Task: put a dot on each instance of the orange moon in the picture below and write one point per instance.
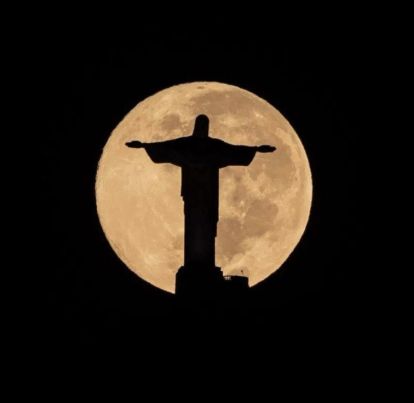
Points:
(264, 207)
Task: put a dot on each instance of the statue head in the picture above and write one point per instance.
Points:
(201, 126)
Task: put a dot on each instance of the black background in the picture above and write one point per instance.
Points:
(86, 79)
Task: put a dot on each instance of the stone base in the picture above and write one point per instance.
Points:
(199, 282)
(207, 287)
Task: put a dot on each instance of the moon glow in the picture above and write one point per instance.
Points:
(264, 207)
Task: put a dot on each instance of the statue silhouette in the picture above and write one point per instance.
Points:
(200, 158)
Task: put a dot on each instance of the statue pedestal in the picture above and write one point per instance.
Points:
(199, 282)
(208, 289)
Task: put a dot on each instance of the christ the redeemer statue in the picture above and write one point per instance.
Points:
(200, 157)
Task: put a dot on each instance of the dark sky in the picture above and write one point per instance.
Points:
(86, 80)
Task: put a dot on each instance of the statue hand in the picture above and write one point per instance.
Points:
(266, 149)
(134, 144)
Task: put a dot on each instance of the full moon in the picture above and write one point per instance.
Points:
(264, 207)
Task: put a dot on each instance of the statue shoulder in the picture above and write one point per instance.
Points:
(217, 141)
(177, 141)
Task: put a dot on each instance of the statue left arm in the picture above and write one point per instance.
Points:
(241, 155)
(265, 149)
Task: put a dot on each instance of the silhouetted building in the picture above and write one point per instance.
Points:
(236, 285)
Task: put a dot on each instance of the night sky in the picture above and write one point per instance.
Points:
(88, 79)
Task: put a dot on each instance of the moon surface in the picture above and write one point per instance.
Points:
(264, 207)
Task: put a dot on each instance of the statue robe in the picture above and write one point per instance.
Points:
(200, 160)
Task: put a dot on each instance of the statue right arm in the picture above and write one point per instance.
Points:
(135, 144)
(161, 151)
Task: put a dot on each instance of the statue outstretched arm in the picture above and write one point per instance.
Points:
(135, 144)
(241, 154)
(265, 149)
(160, 151)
